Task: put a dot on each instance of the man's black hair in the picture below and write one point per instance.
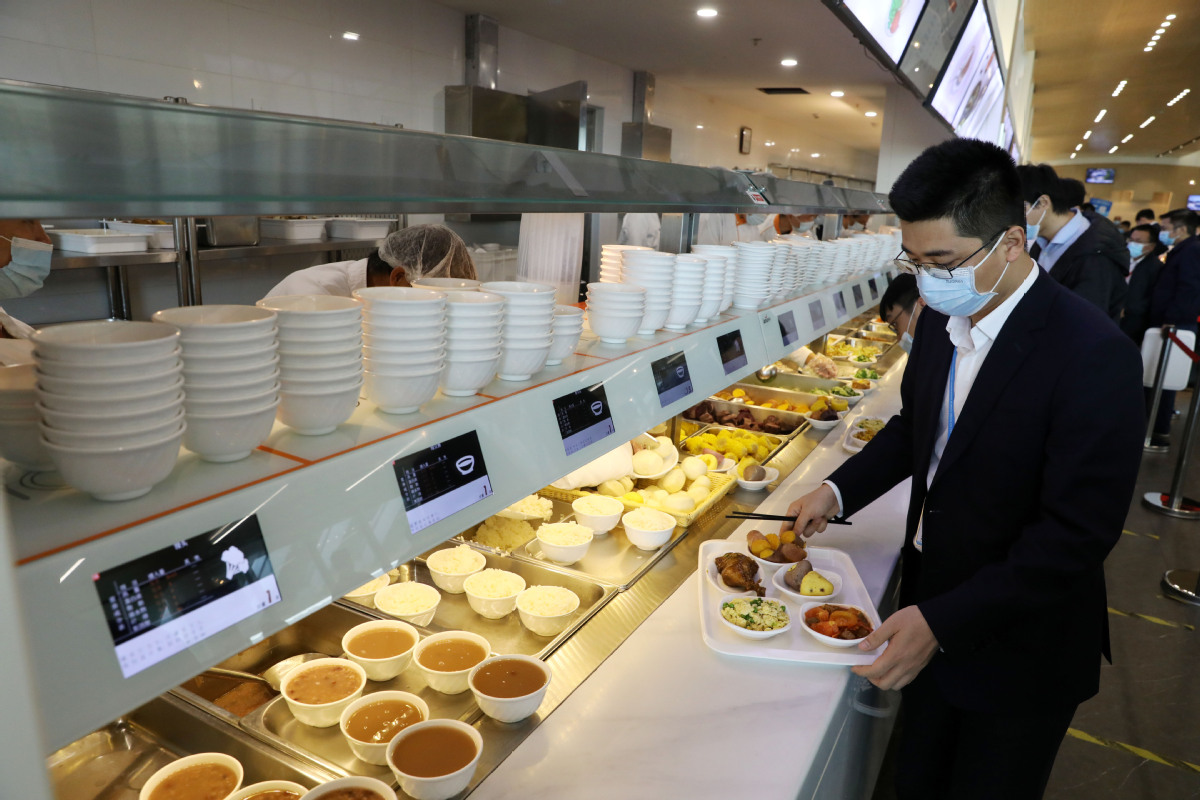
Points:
(969, 182)
(1183, 217)
(377, 267)
(1041, 179)
(1146, 213)
(902, 292)
(1074, 193)
(1149, 230)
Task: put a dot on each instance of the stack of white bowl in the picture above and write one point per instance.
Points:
(615, 310)
(320, 360)
(110, 397)
(730, 254)
(566, 330)
(230, 377)
(713, 292)
(404, 346)
(753, 274)
(687, 291)
(612, 260)
(528, 320)
(654, 272)
(474, 326)
(447, 284)
(20, 440)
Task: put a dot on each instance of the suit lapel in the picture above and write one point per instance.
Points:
(930, 392)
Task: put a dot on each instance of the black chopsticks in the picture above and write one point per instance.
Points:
(779, 518)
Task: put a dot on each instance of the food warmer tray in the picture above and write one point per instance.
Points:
(761, 414)
(778, 442)
(794, 384)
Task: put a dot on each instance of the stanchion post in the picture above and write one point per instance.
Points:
(1160, 376)
(1189, 430)
(1174, 503)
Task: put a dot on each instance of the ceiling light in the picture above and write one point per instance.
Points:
(1127, 138)
(1191, 183)
(699, 127)
(916, 69)
(816, 155)
(916, 45)
(871, 114)
(1078, 147)
(1161, 31)
(1147, 122)
(196, 82)
(706, 12)
(788, 62)
(1087, 136)
(795, 150)
(1147, 49)
(1120, 88)
(1074, 154)
(1170, 16)
(837, 93)
(1166, 24)
(1112, 149)
(1155, 38)
(350, 36)
(1100, 116)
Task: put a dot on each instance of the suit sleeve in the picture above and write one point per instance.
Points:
(1093, 281)
(1091, 456)
(1185, 300)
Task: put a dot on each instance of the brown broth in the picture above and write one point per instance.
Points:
(509, 677)
(433, 752)
(452, 655)
(274, 794)
(200, 782)
(326, 683)
(378, 723)
(353, 793)
(381, 643)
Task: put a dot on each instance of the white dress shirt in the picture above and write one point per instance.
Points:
(338, 278)
(1066, 236)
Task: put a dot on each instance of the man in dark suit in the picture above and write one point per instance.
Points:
(1023, 464)
(1175, 299)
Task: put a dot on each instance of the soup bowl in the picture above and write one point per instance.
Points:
(327, 714)
(376, 752)
(509, 709)
(435, 787)
(449, 682)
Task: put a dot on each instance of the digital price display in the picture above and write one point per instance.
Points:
(441, 480)
(671, 378)
(817, 312)
(874, 287)
(858, 295)
(733, 352)
(839, 304)
(584, 418)
(164, 602)
(787, 327)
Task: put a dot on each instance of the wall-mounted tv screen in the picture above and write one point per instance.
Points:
(1100, 175)
(889, 22)
(932, 40)
(970, 94)
(1193, 203)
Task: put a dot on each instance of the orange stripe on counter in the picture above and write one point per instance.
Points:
(282, 454)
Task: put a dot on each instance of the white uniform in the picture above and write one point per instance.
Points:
(758, 231)
(716, 229)
(643, 230)
(338, 278)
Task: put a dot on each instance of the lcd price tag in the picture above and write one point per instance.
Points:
(584, 418)
(733, 352)
(874, 287)
(839, 304)
(442, 480)
(671, 378)
(858, 295)
(757, 197)
(164, 602)
(817, 312)
(787, 327)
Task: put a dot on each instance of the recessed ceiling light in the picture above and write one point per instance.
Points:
(871, 114)
(1074, 154)
(916, 69)
(795, 150)
(1100, 116)
(706, 12)
(1147, 122)
(916, 45)
(1078, 147)
(1161, 31)
(1087, 136)
(1191, 183)
(1120, 88)
(699, 127)
(816, 155)
(1113, 149)
(1170, 16)
(196, 82)
(837, 93)
(1147, 49)
(1127, 138)
(1151, 43)
(788, 62)
(1166, 24)
(350, 36)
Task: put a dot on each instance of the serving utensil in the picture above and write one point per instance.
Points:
(273, 677)
(779, 518)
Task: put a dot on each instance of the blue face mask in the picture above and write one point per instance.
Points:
(1166, 238)
(955, 294)
(906, 340)
(29, 267)
(1137, 249)
(1032, 228)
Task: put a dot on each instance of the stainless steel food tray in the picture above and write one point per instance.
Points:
(780, 443)
(793, 384)
(761, 414)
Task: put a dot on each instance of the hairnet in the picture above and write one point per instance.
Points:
(428, 251)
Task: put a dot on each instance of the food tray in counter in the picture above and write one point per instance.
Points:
(773, 394)
(97, 240)
(722, 483)
(161, 234)
(282, 228)
(793, 384)
(795, 644)
(760, 413)
(776, 442)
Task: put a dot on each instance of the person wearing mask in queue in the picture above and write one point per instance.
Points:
(1147, 217)
(1016, 497)
(853, 223)
(1145, 267)
(1080, 250)
(404, 257)
(900, 307)
(1126, 227)
(1175, 299)
(641, 229)
(25, 255)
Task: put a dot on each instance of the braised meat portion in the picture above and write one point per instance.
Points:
(739, 571)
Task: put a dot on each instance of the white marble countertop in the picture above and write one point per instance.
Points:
(665, 716)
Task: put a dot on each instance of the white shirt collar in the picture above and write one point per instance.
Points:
(970, 337)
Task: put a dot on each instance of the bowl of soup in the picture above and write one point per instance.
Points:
(510, 688)
(318, 692)
(435, 760)
(354, 788)
(372, 721)
(445, 659)
(204, 776)
(270, 790)
(383, 648)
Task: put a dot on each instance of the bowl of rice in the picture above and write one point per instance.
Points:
(365, 595)
(492, 593)
(547, 610)
(564, 542)
(755, 617)
(413, 602)
(451, 567)
(598, 512)
(503, 534)
(648, 529)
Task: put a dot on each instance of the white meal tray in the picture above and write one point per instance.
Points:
(292, 228)
(97, 240)
(357, 228)
(161, 236)
(849, 443)
(796, 644)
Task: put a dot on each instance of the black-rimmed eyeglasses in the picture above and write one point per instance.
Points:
(914, 267)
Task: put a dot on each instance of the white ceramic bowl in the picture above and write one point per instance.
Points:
(563, 345)
(236, 391)
(519, 363)
(749, 634)
(267, 786)
(196, 760)
(228, 405)
(110, 423)
(106, 342)
(321, 715)
(92, 440)
(97, 372)
(822, 424)
(365, 595)
(357, 782)
(829, 641)
(465, 376)
(217, 322)
(423, 361)
(229, 437)
(475, 344)
(511, 709)
(613, 329)
(244, 345)
(568, 312)
(385, 601)
(119, 473)
(394, 299)
(448, 682)
(452, 582)
(264, 358)
(215, 376)
(473, 302)
(382, 669)
(545, 624)
(442, 787)
(564, 554)
(781, 584)
(401, 321)
(398, 393)
(21, 443)
(490, 607)
(312, 310)
(757, 486)
(448, 284)
(299, 362)
(599, 523)
(322, 383)
(351, 329)
(376, 752)
(130, 404)
(142, 385)
(317, 413)
(327, 351)
(461, 327)
(520, 291)
(649, 538)
(653, 320)
(302, 372)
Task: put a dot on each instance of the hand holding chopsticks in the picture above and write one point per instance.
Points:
(780, 517)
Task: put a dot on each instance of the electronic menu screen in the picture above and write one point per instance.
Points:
(873, 285)
(817, 312)
(839, 304)
(164, 602)
(856, 290)
(787, 327)
(733, 351)
(932, 40)
(441, 480)
(970, 94)
(671, 378)
(890, 24)
(584, 418)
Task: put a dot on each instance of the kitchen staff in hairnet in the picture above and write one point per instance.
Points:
(403, 258)
(25, 253)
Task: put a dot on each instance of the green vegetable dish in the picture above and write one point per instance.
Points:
(837, 391)
(867, 375)
(755, 613)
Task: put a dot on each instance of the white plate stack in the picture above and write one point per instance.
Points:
(110, 397)
(320, 360)
(404, 346)
(753, 274)
(566, 329)
(654, 272)
(611, 260)
(474, 325)
(230, 377)
(713, 292)
(528, 319)
(686, 292)
(615, 310)
(780, 281)
(730, 254)
(20, 440)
